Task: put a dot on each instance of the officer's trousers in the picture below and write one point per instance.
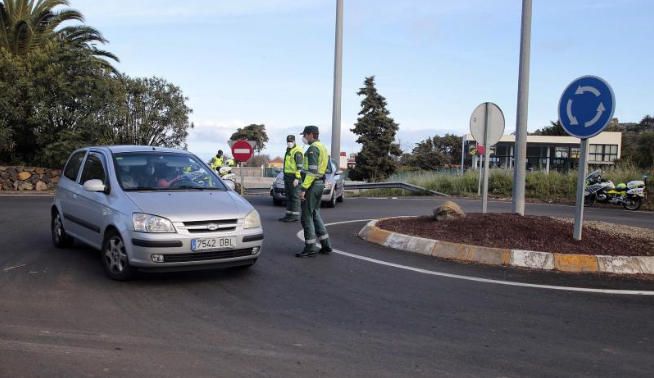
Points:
(292, 194)
(312, 224)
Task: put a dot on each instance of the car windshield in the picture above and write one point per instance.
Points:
(148, 171)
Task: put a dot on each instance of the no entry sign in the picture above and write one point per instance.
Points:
(242, 151)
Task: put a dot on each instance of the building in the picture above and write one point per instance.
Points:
(342, 161)
(277, 163)
(557, 152)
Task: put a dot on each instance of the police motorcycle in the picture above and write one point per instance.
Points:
(229, 177)
(630, 195)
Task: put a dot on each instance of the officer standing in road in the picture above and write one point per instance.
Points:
(315, 163)
(217, 161)
(293, 162)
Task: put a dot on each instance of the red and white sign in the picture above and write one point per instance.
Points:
(242, 151)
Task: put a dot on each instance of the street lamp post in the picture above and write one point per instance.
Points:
(520, 169)
(338, 83)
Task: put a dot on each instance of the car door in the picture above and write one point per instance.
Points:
(68, 192)
(92, 207)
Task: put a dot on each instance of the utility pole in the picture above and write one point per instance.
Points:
(520, 169)
(338, 83)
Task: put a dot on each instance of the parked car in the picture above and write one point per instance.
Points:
(334, 187)
(150, 208)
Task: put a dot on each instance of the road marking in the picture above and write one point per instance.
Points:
(477, 279)
(14, 267)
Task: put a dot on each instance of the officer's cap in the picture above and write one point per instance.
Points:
(310, 130)
(290, 138)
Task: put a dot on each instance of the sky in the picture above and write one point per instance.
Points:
(271, 61)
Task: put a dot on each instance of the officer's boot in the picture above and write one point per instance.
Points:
(326, 247)
(310, 250)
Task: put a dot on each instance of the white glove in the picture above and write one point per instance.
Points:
(296, 182)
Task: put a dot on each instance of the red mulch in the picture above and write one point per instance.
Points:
(512, 231)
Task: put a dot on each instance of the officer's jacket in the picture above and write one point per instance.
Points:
(293, 161)
(315, 162)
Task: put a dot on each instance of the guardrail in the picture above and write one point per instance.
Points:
(392, 185)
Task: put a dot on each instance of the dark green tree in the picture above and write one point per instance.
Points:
(376, 132)
(554, 129)
(253, 132)
(436, 152)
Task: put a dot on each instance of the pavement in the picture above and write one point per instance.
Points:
(367, 311)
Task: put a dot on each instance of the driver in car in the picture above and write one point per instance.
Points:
(166, 176)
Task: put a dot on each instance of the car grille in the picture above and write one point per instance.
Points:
(202, 256)
(223, 225)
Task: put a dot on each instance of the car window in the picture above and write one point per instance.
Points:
(149, 171)
(72, 167)
(329, 168)
(93, 169)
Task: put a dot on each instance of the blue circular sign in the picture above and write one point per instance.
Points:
(586, 107)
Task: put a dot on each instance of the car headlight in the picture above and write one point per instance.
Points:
(252, 220)
(152, 224)
(328, 186)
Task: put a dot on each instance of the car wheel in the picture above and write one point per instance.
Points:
(59, 237)
(341, 199)
(114, 258)
(332, 202)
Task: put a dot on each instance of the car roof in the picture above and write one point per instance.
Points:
(128, 148)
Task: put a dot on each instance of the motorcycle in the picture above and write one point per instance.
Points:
(229, 178)
(630, 195)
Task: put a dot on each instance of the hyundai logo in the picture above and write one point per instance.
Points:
(212, 227)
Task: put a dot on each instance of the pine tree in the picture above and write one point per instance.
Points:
(376, 130)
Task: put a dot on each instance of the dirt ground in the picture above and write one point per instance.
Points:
(531, 233)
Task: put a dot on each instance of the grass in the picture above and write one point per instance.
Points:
(552, 187)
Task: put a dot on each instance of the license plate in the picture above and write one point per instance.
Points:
(211, 243)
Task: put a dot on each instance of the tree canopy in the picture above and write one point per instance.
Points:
(376, 132)
(252, 132)
(58, 93)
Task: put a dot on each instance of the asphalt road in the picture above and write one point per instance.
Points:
(328, 316)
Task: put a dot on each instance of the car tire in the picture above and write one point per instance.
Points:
(332, 202)
(341, 199)
(60, 238)
(114, 258)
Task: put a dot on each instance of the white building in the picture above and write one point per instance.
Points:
(557, 152)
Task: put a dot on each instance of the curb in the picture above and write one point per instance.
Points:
(622, 265)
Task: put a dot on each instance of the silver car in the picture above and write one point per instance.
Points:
(150, 208)
(334, 187)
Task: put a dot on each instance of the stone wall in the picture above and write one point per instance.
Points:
(28, 179)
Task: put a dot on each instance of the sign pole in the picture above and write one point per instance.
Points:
(484, 197)
(240, 164)
(463, 154)
(581, 188)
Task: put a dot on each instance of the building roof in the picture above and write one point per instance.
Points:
(607, 137)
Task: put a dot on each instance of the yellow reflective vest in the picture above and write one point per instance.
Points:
(315, 163)
(293, 161)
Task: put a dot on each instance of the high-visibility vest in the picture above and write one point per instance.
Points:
(315, 171)
(290, 164)
(231, 163)
(323, 160)
(217, 162)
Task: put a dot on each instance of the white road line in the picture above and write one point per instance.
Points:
(13, 267)
(477, 279)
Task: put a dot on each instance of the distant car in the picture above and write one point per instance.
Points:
(150, 208)
(334, 187)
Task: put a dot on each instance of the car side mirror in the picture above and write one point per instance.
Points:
(94, 186)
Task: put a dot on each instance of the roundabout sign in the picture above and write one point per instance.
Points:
(586, 107)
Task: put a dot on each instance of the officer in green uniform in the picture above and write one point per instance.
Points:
(313, 183)
(217, 161)
(293, 162)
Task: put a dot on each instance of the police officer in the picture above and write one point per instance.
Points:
(293, 162)
(217, 161)
(315, 164)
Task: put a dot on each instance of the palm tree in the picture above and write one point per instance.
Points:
(26, 25)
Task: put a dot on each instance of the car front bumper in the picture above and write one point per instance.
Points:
(279, 194)
(174, 252)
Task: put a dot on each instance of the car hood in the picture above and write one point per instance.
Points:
(192, 206)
